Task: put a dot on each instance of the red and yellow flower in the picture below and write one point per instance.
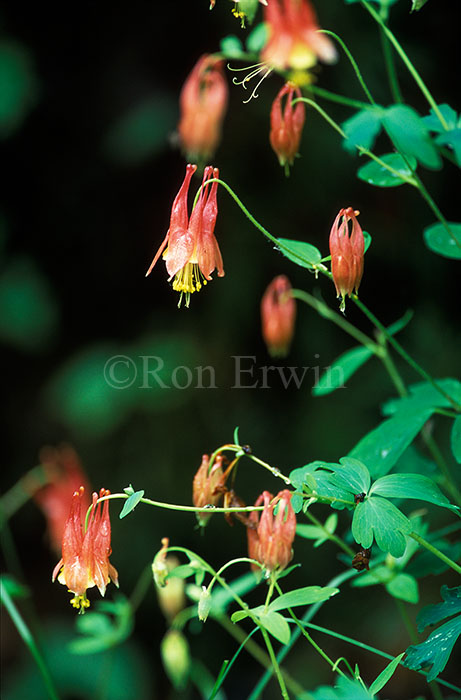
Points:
(85, 555)
(190, 249)
(294, 38)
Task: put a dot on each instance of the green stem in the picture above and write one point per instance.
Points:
(275, 665)
(373, 650)
(394, 374)
(390, 67)
(273, 470)
(390, 36)
(29, 642)
(311, 641)
(433, 448)
(257, 653)
(142, 586)
(331, 536)
(406, 621)
(396, 345)
(425, 194)
(339, 99)
(325, 311)
(231, 563)
(424, 543)
(352, 61)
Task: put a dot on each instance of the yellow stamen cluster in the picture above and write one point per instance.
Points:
(189, 279)
(80, 602)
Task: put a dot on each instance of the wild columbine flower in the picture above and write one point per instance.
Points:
(203, 103)
(287, 125)
(64, 474)
(270, 540)
(207, 486)
(85, 556)
(347, 250)
(294, 40)
(278, 315)
(192, 253)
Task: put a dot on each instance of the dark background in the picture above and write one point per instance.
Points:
(91, 169)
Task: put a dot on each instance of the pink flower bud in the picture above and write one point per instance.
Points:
(347, 250)
(278, 315)
(271, 542)
(287, 125)
(203, 102)
(206, 489)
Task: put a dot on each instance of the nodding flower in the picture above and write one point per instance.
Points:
(85, 555)
(294, 38)
(278, 315)
(287, 125)
(190, 249)
(206, 487)
(347, 250)
(203, 103)
(270, 538)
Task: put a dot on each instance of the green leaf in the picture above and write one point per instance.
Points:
(410, 135)
(13, 587)
(424, 395)
(381, 448)
(142, 131)
(276, 625)
(341, 370)
(309, 532)
(452, 139)
(303, 596)
(101, 632)
(131, 503)
(400, 324)
(378, 575)
(435, 650)
(300, 252)
(404, 587)
(316, 479)
(257, 38)
(352, 475)
(362, 129)
(433, 123)
(19, 86)
(346, 688)
(456, 439)
(378, 518)
(416, 486)
(426, 563)
(249, 7)
(432, 614)
(28, 311)
(437, 239)
(417, 4)
(385, 675)
(231, 47)
(367, 239)
(376, 174)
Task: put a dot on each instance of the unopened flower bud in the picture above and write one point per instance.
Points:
(204, 604)
(203, 103)
(347, 250)
(271, 542)
(176, 658)
(160, 569)
(287, 125)
(171, 596)
(206, 489)
(278, 315)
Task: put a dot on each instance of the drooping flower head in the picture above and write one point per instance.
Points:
(192, 252)
(287, 125)
(85, 555)
(203, 103)
(347, 250)
(278, 315)
(206, 486)
(64, 474)
(294, 41)
(270, 541)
